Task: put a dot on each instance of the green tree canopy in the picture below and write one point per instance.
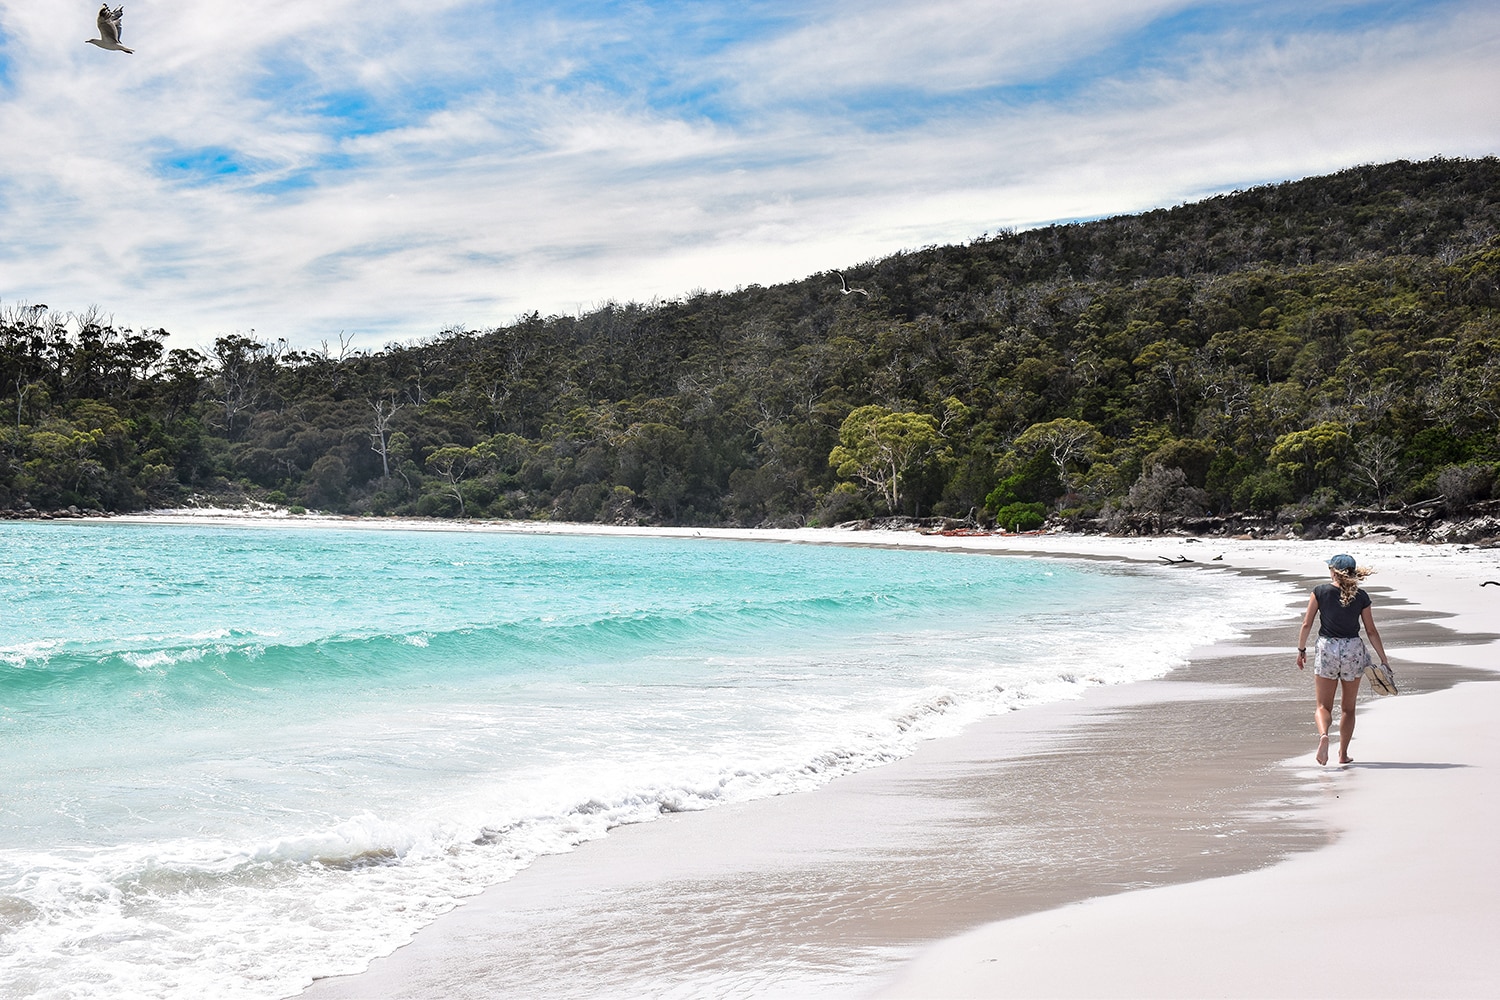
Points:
(1313, 457)
(879, 447)
(1065, 441)
(1286, 347)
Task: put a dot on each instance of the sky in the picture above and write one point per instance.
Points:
(318, 170)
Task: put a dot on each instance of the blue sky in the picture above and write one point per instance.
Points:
(385, 171)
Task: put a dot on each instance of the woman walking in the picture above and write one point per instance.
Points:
(1341, 658)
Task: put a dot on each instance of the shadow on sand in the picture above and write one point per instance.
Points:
(1399, 766)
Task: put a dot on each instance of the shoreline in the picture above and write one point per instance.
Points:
(1294, 819)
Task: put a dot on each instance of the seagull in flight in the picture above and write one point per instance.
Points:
(844, 286)
(109, 30)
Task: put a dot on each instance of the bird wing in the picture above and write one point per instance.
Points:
(109, 25)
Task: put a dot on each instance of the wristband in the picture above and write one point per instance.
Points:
(1302, 650)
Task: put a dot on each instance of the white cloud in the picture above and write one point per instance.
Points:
(484, 192)
(940, 45)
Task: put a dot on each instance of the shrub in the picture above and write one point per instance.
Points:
(1030, 480)
(1021, 516)
(1263, 491)
(1165, 490)
(1462, 485)
(844, 502)
(1190, 455)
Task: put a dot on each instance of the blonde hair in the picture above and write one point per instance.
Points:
(1349, 583)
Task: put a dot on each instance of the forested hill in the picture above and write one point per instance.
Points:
(1286, 350)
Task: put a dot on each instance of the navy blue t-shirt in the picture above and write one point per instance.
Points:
(1334, 620)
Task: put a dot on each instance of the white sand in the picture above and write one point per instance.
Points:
(1403, 901)
(1403, 905)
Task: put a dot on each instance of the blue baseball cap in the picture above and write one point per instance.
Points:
(1342, 563)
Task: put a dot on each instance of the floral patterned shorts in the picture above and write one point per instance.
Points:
(1341, 659)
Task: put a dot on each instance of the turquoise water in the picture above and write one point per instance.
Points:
(241, 758)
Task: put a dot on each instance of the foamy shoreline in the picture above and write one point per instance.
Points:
(1345, 920)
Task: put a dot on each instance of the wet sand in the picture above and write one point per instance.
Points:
(1401, 904)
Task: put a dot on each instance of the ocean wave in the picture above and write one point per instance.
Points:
(484, 843)
(181, 896)
(236, 657)
(159, 659)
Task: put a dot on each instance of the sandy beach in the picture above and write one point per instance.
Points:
(1165, 838)
(1394, 905)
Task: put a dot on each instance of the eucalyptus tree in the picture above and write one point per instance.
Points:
(1065, 441)
(238, 364)
(454, 463)
(384, 409)
(880, 447)
(1377, 462)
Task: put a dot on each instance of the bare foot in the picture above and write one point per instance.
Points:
(1346, 760)
(1323, 749)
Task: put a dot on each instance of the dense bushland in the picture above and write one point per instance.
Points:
(1289, 348)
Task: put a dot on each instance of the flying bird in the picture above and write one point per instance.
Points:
(1490, 583)
(109, 30)
(844, 286)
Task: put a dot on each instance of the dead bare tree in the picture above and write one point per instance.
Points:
(380, 436)
(1378, 462)
(237, 380)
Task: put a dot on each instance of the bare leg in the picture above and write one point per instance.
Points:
(1325, 687)
(1347, 700)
